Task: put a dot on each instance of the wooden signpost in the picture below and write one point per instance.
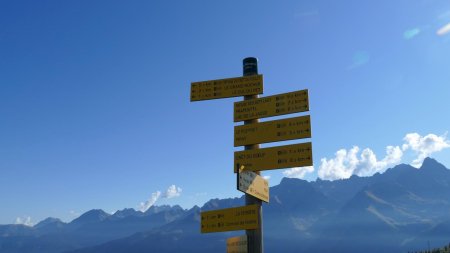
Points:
(237, 244)
(295, 155)
(271, 131)
(252, 159)
(275, 105)
(229, 219)
(225, 88)
(251, 183)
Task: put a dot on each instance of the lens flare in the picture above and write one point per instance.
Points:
(411, 33)
(444, 30)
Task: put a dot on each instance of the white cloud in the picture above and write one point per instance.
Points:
(342, 166)
(298, 172)
(74, 214)
(353, 162)
(424, 146)
(267, 177)
(24, 221)
(144, 206)
(443, 30)
(348, 163)
(172, 192)
(369, 165)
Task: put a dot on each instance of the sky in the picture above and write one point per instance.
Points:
(95, 110)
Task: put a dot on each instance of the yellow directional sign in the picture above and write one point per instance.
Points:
(237, 218)
(275, 130)
(251, 183)
(224, 88)
(288, 156)
(263, 107)
(237, 244)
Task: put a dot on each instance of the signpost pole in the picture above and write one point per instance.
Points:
(255, 242)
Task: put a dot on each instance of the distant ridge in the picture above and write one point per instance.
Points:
(398, 211)
(95, 215)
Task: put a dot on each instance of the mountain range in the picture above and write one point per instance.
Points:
(401, 210)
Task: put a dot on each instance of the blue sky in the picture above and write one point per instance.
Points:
(94, 95)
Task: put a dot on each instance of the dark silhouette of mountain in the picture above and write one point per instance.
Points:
(15, 230)
(163, 208)
(183, 235)
(49, 222)
(49, 226)
(398, 211)
(119, 214)
(395, 208)
(92, 216)
(92, 227)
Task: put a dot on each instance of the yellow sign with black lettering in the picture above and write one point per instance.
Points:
(271, 131)
(229, 219)
(288, 156)
(238, 244)
(251, 183)
(224, 88)
(275, 105)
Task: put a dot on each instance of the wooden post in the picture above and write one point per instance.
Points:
(254, 237)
